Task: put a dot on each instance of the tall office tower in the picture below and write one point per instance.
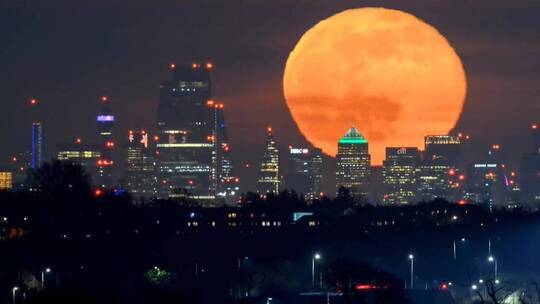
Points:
(227, 184)
(433, 180)
(37, 145)
(530, 170)
(487, 184)
(446, 147)
(88, 156)
(105, 123)
(186, 146)
(353, 164)
(140, 180)
(400, 175)
(269, 179)
(441, 156)
(305, 172)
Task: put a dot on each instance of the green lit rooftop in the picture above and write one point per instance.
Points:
(353, 137)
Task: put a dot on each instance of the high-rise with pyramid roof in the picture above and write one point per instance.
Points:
(353, 164)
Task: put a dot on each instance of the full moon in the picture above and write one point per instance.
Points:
(392, 75)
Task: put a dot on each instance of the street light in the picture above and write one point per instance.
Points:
(14, 293)
(46, 270)
(493, 260)
(315, 257)
(411, 258)
(474, 287)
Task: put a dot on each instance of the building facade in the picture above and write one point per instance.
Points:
(192, 151)
(140, 180)
(400, 175)
(305, 172)
(353, 164)
(269, 173)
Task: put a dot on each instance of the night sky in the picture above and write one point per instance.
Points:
(69, 53)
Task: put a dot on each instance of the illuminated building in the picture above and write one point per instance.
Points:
(486, 184)
(37, 145)
(439, 168)
(442, 147)
(269, 179)
(88, 156)
(433, 180)
(187, 142)
(227, 184)
(400, 175)
(105, 123)
(305, 172)
(140, 180)
(6, 180)
(353, 163)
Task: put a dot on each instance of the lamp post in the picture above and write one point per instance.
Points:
(411, 258)
(315, 257)
(43, 272)
(493, 260)
(14, 293)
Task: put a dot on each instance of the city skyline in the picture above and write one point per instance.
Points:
(270, 152)
(233, 90)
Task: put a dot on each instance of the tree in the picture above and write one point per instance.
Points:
(59, 179)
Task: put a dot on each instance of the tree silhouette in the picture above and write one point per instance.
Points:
(60, 178)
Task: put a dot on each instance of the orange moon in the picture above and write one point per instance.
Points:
(389, 73)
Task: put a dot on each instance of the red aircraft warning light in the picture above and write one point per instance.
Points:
(173, 66)
(209, 65)
(195, 65)
(104, 98)
(534, 126)
(98, 192)
(78, 140)
(33, 102)
(110, 144)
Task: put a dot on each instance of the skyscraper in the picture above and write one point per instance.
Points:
(445, 147)
(305, 171)
(227, 184)
(105, 123)
(269, 174)
(440, 158)
(353, 163)
(37, 145)
(186, 146)
(400, 175)
(140, 180)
